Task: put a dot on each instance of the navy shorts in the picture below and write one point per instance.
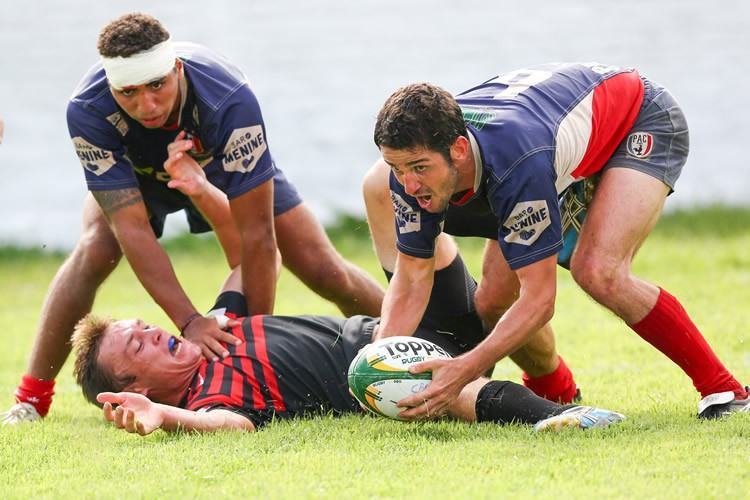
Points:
(657, 145)
(161, 201)
(659, 141)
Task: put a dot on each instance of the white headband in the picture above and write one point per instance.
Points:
(140, 68)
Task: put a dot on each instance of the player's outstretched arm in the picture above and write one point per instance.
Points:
(136, 413)
(127, 216)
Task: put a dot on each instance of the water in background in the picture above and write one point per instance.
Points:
(322, 69)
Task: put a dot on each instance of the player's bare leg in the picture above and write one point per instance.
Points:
(70, 297)
(624, 210)
(308, 253)
(545, 372)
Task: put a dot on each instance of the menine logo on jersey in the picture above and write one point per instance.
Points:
(640, 144)
(244, 148)
(407, 219)
(527, 222)
(93, 159)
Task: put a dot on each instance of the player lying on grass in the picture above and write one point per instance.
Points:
(285, 367)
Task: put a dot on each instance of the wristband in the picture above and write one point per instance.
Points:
(190, 319)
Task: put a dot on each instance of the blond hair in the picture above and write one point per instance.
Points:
(88, 372)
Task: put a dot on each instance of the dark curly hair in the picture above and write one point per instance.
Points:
(420, 115)
(130, 34)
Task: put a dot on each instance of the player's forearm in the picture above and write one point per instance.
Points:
(406, 299)
(153, 269)
(259, 273)
(214, 206)
(526, 316)
(180, 419)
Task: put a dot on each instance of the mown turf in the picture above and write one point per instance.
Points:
(661, 451)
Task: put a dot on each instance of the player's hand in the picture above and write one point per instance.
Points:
(135, 413)
(187, 176)
(206, 334)
(449, 377)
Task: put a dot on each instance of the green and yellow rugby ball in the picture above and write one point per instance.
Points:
(379, 375)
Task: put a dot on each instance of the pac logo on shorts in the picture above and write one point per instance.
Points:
(527, 222)
(244, 148)
(94, 159)
(640, 144)
(407, 219)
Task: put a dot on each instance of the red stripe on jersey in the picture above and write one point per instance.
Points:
(259, 336)
(217, 377)
(616, 104)
(247, 369)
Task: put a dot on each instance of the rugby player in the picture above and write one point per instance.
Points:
(147, 101)
(495, 161)
(286, 367)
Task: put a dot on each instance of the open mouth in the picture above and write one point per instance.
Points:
(424, 200)
(174, 344)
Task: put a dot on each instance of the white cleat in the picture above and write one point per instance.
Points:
(580, 417)
(20, 413)
(722, 404)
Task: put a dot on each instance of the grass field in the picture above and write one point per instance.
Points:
(661, 451)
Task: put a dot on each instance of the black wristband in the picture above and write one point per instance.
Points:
(190, 319)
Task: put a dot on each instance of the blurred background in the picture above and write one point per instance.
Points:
(321, 69)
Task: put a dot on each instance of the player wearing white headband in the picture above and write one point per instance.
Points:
(150, 122)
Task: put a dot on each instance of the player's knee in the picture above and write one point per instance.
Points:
(598, 276)
(492, 304)
(97, 251)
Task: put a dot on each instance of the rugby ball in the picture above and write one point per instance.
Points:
(379, 375)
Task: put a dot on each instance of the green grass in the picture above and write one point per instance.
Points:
(661, 451)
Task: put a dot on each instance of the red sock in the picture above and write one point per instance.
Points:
(36, 392)
(557, 386)
(669, 328)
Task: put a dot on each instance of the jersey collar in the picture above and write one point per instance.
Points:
(468, 195)
(183, 98)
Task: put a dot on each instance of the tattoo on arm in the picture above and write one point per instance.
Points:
(112, 201)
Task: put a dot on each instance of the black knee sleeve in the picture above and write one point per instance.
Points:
(234, 303)
(504, 402)
(451, 306)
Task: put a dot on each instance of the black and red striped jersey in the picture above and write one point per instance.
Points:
(284, 367)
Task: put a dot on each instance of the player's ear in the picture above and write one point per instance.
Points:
(460, 148)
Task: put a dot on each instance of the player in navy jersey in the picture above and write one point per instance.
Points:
(285, 367)
(523, 160)
(148, 111)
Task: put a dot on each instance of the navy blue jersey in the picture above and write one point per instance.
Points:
(534, 132)
(218, 111)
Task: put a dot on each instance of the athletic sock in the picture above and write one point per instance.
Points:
(669, 328)
(557, 386)
(36, 392)
(504, 402)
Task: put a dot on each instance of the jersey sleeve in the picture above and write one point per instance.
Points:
(244, 160)
(526, 206)
(256, 418)
(416, 229)
(100, 149)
